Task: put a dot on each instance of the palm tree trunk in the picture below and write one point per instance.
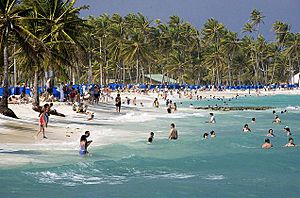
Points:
(4, 101)
(36, 98)
(15, 67)
(291, 71)
(137, 71)
(101, 69)
(229, 75)
(298, 62)
(73, 76)
(90, 71)
(273, 70)
(143, 75)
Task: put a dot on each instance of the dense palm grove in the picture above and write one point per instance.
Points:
(47, 39)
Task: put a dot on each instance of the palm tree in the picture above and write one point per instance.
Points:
(61, 31)
(256, 18)
(12, 17)
(281, 30)
(231, 45)
(136, 49)
(292, 51)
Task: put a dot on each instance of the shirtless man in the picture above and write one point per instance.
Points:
(173, 133)
(267, 144)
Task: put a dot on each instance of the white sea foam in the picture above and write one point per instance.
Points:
(72, 178)
(214, 177)
(161, 175)
(293, 108)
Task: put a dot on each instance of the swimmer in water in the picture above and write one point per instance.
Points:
(246, 128)
(277, 120)
(213, 134)
(173, 135)
(290, 143)
(205, 136)
(150, 139)
(287, 130)
(270, 133)
(253, 120)
(267, 144)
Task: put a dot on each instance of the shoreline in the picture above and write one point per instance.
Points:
(64, 133)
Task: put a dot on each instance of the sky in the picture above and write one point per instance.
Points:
(232, 13)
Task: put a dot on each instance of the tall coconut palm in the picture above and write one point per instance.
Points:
(256, 18)
(12, 17)
(231, 44)
(137, 50)
(61, 30)
(293, 51)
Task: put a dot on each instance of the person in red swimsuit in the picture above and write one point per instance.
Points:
(42, 124)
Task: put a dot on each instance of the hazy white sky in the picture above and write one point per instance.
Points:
(232, 13)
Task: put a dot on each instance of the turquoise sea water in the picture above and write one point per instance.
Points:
(231, 165)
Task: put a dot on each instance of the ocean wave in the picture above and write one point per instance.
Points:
(135, 117)
(144, 117)
(72, 178)
(293, 108)
(214, 177)
(166, 175)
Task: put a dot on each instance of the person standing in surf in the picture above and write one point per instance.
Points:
(118, 103)
(173, 135)
(84, 143)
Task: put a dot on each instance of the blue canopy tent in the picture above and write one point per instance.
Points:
(143, 86)
(56, 93)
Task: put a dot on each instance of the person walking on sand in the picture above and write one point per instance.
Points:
(42, 124)
(118, 103)
(173, 135)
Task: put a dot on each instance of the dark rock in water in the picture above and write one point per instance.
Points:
(8, 112)
(52, 112)
(216, 108)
